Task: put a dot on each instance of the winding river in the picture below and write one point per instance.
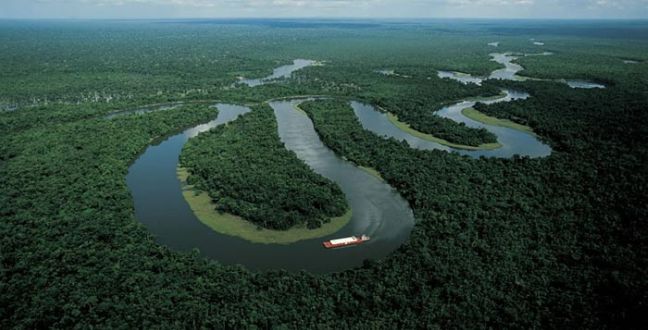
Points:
(514, 142)
(510, 72)
(378, 210)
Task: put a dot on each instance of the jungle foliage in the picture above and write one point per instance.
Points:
(247, 171)
(558, 242)
(414, 95)
(565, 235)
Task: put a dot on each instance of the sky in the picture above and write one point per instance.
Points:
(89, 9)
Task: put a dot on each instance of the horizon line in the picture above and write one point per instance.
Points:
(359, 18)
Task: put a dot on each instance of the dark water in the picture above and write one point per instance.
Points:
(378, 210)
(513, 142)
(280, 72)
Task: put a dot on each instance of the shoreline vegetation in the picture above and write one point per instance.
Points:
(225, 163)
(429, 137)
(225, 223)
(372, 171)
(475, 115)
(553, 242)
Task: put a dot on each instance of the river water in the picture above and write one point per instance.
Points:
(514, 142)
(510, 72)
(280, 72)
(378, 210)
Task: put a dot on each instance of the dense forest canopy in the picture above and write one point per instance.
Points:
(247, 171)
(503, 243)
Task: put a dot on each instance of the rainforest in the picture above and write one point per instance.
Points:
(185, 173)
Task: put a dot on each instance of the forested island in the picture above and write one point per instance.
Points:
(247, 172)
(558, 241)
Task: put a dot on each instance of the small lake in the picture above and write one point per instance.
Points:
(583, 84)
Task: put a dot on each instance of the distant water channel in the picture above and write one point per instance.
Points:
(280, 72)
(510, 72)
(378, 210)
(143, 110)
(514, 142)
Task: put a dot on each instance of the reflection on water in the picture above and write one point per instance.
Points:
(513, 142)
(226, 114)
(280, 72)
(378, 210)
(510, 70)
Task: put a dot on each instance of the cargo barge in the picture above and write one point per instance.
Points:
(347, 241)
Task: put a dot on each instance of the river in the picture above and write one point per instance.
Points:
(378, 210)
(510, 72)
(514, 142)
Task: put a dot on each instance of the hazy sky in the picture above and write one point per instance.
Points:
(323, 8)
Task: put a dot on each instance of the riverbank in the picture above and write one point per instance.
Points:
(372, 171)
(232, 225)
(475, 115)
(429, 137)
